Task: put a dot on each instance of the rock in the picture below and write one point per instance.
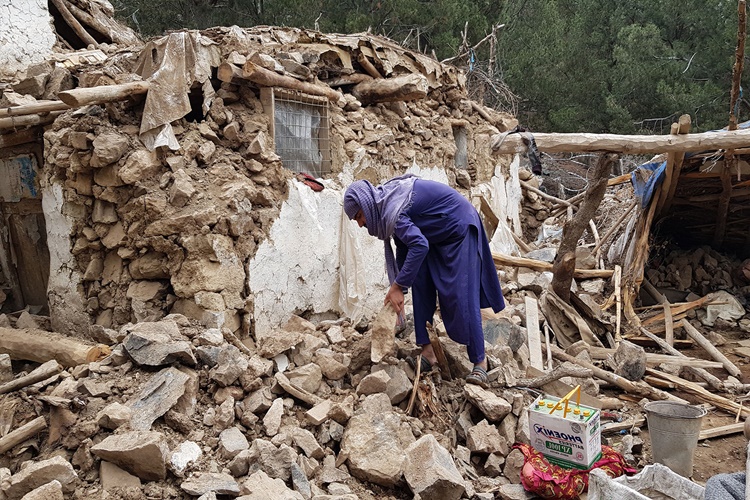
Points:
(261, 487)
(188, 452)
(430, 472)
(342, 411)
(157, 344)
(513, 465)
(230, 365)
(493, 407)
(272, 419)
(108, 148)
(383, 335)
(36, 474)
(231, 442)
(507, 428)
(485, 438)
(50, 491)
(158, 395)
(225, 415)
(276, 462)
(111, 476)
(274, 343)
(514, 492)
(331, 367)
(142, 453)
(374, 383)
(259, 401)
(141, 164)
(399, 386)
(305, 440)
(26, 320)
(113, 416)
(374, 445)
(300, 482)
(502, 331)
(6, 368)
(319, 413)
(306, 377)
(493, 466)
(204, 482)
(182, 189)
(629, 361)
(335, 334)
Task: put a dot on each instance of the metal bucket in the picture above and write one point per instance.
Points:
(674, 429)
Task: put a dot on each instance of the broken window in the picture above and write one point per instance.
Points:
(300, 130)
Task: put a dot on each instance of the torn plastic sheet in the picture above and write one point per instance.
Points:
(646, 178)
(172, 65)
(352, 282)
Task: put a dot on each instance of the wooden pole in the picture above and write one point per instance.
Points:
(538, 265)
(74, 24)
(702, 394)
(42, 372)
(41, 346)
(709, 347)
(83, 96)
(262, 76)
(33, 108)
(21, 434)
(627, 144)
(28, 120)
(674, 166)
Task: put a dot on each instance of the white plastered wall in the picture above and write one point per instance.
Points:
(297, 268)
(26, 34)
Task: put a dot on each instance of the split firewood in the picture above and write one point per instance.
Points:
(43, 372)
(102, 94)
(698, 371)
(702, 394)
(563, 370)
(21, 434)
(711, 349)
(638, 388)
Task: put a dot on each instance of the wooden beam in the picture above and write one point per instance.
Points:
(261, 76)
(21, 434)
(33, 108)
(40, 346)
(21, 137)
(724, 430)
(628, 144)
(83, 96)
(13, 122)
(674, 166)
(74, 24)
(533, 333)
(409, 87)
(711, 349)
(538, 265)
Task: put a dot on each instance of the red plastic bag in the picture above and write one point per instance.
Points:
(547, 480)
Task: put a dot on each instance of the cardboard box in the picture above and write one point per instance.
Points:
(570, 439)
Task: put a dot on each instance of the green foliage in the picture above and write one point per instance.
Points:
(577, 65)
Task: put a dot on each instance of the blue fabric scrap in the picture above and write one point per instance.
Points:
(646, 178)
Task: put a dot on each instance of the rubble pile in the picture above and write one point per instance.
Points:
(176, 411)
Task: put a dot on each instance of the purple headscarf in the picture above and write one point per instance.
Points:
(381, 206)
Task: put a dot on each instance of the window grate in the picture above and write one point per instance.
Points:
(301, 132)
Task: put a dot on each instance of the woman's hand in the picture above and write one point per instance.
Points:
(396, 298)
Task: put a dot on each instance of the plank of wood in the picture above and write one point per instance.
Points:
(618, 143)
(657, 359)
(676, 310)
(711, 349)
(724, 430)
(538, 265)
(533, 333)
(702, 394)
(625, 425)
(21, 434)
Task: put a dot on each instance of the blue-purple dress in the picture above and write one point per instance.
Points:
(443, 253)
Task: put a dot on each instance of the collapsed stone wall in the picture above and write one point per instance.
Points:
(27, 36)
(174, 231)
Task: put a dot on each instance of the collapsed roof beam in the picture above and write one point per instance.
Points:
(628, 144)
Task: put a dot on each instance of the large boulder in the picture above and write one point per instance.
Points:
(430, 471)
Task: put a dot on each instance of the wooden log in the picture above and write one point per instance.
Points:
(711, 349)
(702, 394)
(538, 265)
(368, 66)
(42, 372)
(262, 76)
(352, 79)
(615, 226)
(544, 195)
(28, 120)
(563, 370)
(21, 137)
(104, 24)
(559, 388)
(437, 348)
(21, 434)
(637, 388)
(675, 357)
(668, 322)
(564, 265)
(41, 346)
(628, 144)
(73, 23)
(408, 87)
(38, 107)
(83, 96)
(230, 73)
(698, 371)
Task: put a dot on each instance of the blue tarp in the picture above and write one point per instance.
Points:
(646, 178)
